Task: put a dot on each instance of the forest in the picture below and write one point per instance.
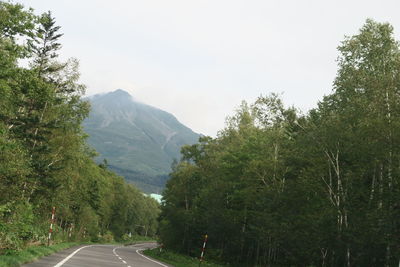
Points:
(277, 187)
(44, 159)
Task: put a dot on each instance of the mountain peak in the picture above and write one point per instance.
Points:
(139, 141)
(117, 97)
(121, 93)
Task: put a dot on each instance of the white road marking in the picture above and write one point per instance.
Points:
(115, 253)
(159, 263)
(69, 256)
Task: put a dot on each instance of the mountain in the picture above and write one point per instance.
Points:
(138, 141)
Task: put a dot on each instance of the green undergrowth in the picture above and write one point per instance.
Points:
(16, 258)
(177, 260)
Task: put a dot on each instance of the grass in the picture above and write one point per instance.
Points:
(177, 260)
(16, 258)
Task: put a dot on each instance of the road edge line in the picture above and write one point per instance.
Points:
(159, 263)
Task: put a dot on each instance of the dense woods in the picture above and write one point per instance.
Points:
(278, 188)
(44, 160)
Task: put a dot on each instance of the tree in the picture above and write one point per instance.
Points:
(322, 189)
(365, 107)
(44, 159)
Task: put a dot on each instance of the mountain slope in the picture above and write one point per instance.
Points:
(138, 141)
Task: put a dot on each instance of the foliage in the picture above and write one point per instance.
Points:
(177, 260)
(44, 159)
(277, 188)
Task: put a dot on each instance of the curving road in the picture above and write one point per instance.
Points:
(99, 256)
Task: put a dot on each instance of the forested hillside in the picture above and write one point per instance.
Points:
(138, 141)
(278, 188)
(44, 160)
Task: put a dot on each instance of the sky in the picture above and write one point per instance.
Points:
(198, 59)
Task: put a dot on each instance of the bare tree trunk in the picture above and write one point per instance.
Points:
(257, 252)
(324, 252)
(372, 191)
(380, 205)
(390, 178)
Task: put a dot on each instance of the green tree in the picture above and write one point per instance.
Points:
(44, 159)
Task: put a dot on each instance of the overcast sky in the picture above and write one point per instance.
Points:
(198, 59)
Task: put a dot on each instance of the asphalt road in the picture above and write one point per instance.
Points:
(99, 256)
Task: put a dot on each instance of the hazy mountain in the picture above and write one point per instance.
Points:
(138, 141)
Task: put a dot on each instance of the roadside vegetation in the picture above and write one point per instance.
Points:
(15, 258)
(44, 159)
(178, 260)
(281, 188)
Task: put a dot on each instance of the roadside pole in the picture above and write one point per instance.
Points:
(70, 231)
(203, 249)
(53, 212)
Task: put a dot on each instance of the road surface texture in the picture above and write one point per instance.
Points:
(100, 256)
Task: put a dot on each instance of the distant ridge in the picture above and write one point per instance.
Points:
(138, 141)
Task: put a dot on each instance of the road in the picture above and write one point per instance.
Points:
(99, 256)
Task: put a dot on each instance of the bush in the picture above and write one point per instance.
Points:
(108, 237)
(17, 225)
